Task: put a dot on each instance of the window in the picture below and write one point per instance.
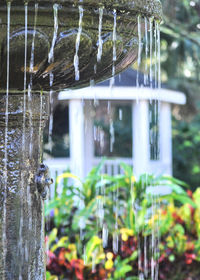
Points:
(60, 134)
(113, 129)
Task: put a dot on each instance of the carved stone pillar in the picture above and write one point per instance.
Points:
(22, 251)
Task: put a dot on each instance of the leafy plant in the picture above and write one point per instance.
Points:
(84, 207)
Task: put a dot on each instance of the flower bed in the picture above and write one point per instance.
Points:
(78, 249)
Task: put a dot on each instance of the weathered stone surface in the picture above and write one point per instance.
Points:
(21, 206)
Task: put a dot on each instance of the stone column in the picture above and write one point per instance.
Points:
(22, 252)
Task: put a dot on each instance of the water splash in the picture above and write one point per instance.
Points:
(78, 39)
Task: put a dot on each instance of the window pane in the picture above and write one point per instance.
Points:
(113, 130)
(60, 133)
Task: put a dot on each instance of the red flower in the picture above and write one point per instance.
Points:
(78, 265)
(190, 194)
(177, 218)
(52, 263)
(62, 260)
(189, 258)
(192, 210)
(162, 258)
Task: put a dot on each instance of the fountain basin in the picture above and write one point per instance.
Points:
(54, 47)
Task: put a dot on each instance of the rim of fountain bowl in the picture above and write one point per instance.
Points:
(149, 8)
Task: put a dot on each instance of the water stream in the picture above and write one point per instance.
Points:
(139, 50)
(78, 40)
(100, 41)
(146, 74)
(114, 38)
(6, 137)
(51, 75)
(31, 82)
(23, 194)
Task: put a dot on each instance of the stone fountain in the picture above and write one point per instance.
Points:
(47, 46)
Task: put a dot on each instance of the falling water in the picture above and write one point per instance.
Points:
(151, 53)
(29, 197)
(100, 42)
(51, 76)
(100, 210)
(55, 32)
(51, 80)
(109, 107)
(146, 52)
(116, 211)
(31, 81)
(148, 247)
(78, 40)
(105, 235)
(25, 71)
(40, 126)
(114, 38)
(120, 114)
(155, 56)
(146, 271)
(33, 43)
(152, 240)
(112, 132)
(112, 135)
(20, 248)
(158, 58)
(139, 49)
(6, 135)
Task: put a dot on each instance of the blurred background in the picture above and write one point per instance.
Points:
(121, 229)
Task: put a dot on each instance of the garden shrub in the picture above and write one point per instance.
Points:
(75, 241)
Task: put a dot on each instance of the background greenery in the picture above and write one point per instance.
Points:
(180, 59)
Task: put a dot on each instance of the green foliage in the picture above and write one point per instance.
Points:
(186, 151)
(179, 223)
(180, 42)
